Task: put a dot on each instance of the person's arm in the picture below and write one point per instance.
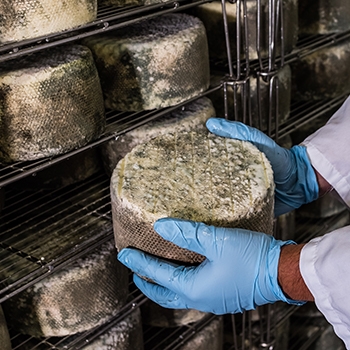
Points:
(289, 276)
(323, 185)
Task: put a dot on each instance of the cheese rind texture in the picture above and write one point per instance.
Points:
(123, 335)
(83, 295)
(52, 102)
(189, 117)
(322, 74)
(23, 19)
(190, 175)
(156, 316)
(323, 17)
(212, 333)
(155, 63)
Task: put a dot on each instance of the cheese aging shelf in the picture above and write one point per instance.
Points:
(43, 230)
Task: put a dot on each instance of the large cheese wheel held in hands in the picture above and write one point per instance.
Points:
(52, 102)
(23, 19)
(154, 63)
(189, 175)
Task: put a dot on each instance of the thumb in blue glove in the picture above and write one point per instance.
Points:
(295, 179)
(239, 273)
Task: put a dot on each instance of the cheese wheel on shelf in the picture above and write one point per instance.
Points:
(189, 117)
(124, 335)
(210, 337)
(23, 19)
(211, 15)
(152, 64)
(322, 74)
(189, 175)
(157, 316)
(85, 294)
(252, 99)
(52, 103)
(323, 17)
(69, 171)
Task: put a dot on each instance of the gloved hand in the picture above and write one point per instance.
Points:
(240, 271)
(295, 179)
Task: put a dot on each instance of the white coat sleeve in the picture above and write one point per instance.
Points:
(325, 261)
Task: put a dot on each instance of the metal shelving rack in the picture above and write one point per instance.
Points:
(90, 199)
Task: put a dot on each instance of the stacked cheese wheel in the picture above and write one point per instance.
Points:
(322, 74)
(85, 294)
(123, 335)
(22, 19)
(189, 175)
(323, 17)
(67, 172)
(252, 101)
(212, 333)
(155, 63)
(191, 116)
(211, 15)
(51, 103)
(157, 316)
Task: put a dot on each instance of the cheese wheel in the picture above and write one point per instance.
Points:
(191, 116)
(64, 173)
(124, 335)
(209, 337)
(4, 333)
(189, 175)
(157, 316)
(51, 103)
(324, 73)
(323, 17)
(154, 63)
(252, 98)
(211, 15)
(83, 295)
(23, 19)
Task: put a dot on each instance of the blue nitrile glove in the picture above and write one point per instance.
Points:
(239, 273)
(295, 179)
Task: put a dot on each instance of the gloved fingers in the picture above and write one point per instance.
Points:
(159, 294)
(278, 156)
(191, 235)
(239, 131)
(160, 271)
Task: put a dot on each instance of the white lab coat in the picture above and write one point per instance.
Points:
(325, 261)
